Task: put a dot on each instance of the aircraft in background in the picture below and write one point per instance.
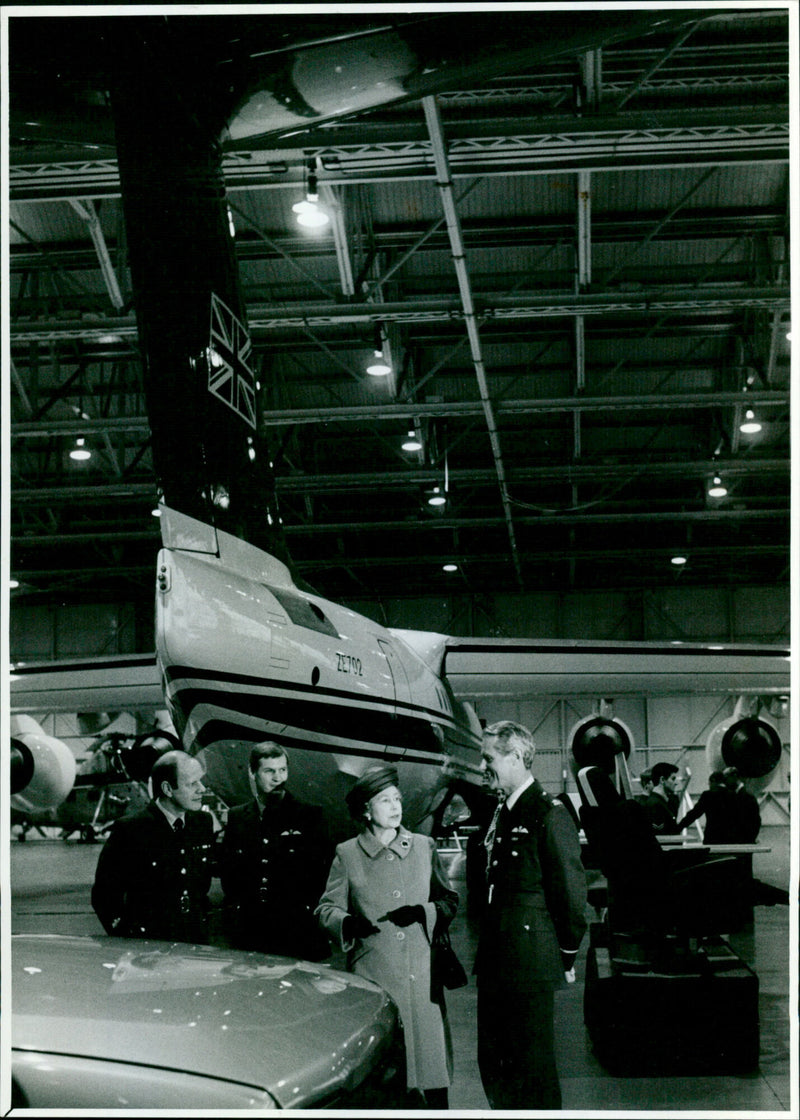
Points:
(224, 703)
(243, 652)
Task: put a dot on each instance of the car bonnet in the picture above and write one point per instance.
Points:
(299, 1030)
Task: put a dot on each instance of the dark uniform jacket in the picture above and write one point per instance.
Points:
(153, 882)
(661, 814)
(273, 868)
(537, 896)
(720, 807)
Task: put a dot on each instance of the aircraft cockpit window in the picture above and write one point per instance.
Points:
(303, 612)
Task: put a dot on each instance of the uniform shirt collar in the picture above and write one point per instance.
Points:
(271, 802)
(401, 845)
(514, 797)
(171, 817)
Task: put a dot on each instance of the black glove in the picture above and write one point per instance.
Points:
(406, 915)
(568, 959)
(355, 927)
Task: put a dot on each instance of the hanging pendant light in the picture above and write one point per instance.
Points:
(716, 489)
(80, 452)
(378, 365)
(411, 443)
(309, 213)
(749, 426)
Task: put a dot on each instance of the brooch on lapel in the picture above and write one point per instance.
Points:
(520, 830)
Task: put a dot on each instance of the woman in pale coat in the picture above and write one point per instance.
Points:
(385, 893)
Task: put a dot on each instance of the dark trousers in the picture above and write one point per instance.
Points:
(515, 1049)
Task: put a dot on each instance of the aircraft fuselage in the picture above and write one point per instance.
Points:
(245, 656)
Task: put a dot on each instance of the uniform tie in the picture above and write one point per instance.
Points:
(178, 824)
(490, 835)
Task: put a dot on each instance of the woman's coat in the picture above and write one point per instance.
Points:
(370, 879)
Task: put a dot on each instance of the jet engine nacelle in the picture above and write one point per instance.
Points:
(42, 768)
(751, 743)
(600, 740)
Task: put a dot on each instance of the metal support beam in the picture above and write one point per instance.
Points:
(404, 410)
(333, 201)
(497, 305)
(88, 213)
(416, 477)
(444, 182)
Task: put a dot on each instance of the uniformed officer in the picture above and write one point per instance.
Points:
(154, 871)
(532, 927)
(274, 861)
(663, 801)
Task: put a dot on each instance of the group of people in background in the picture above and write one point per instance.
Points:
(731, 812)
(381, 897)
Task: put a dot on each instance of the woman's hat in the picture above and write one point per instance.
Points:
(370, 783)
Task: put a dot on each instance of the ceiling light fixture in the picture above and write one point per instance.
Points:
(80, 452)
(437, 498)
(716, 489)
(449, 567)
(749, 425)
(379, 366)
(309, 212)
(411, 443)
(13, 584)
(678, 561)
(156, 512)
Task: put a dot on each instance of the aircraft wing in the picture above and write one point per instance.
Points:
(124, 683)
(516, 667)
(474, 667)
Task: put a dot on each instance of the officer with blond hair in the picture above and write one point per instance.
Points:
(533, 924)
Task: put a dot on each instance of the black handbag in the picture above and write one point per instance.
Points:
(446, 969)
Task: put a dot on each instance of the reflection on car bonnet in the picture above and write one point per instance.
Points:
(158, 971)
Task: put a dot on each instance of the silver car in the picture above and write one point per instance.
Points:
(103, 1022)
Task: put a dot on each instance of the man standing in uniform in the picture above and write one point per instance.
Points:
(532, 927)
(663, 802)
(274, 863)
(154, 871)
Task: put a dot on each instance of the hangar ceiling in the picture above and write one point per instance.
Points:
(579, 272)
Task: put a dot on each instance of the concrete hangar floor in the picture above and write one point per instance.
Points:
(50, 886)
